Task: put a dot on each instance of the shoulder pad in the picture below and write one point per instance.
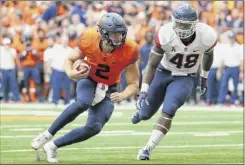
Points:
(208, 35)
(130, 43)
(132, 48)
(164, 34)
(87, 38)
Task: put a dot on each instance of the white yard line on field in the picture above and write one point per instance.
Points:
(26, 129)
(212, 134)
(128, 123)
(42, 113)
(134, 147)
(37, 106)
(134, 133)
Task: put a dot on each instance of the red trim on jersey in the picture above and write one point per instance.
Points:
(212, 46)
(157, 41)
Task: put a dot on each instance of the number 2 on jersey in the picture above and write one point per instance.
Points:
(102, 69)
(191, 60)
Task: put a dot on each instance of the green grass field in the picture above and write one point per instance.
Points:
(196, 137)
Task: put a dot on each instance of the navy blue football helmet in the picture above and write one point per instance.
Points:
(112, 29)
(185, 19)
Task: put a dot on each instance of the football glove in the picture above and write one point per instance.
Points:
(202, 88)
(142, 96)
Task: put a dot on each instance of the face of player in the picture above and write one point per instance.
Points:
(184, 30)
(116, 38)
(183, 26)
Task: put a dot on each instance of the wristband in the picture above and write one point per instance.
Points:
(144, 87)
(204, 73)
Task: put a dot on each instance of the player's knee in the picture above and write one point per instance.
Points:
(170, 110)
(95, 128)
(82, 105)
(166, 115)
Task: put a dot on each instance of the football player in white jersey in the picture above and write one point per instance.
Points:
(180, 47)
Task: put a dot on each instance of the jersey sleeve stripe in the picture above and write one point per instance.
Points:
(211, 47)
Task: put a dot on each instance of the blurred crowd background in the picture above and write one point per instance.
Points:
(36, 36)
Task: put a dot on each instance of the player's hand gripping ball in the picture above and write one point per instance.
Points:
(80, 70)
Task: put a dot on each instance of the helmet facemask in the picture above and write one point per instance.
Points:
(184, 29)
(115, 39)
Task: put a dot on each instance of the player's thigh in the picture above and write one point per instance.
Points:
(177, 93)
(100, 114)
(85, 91)
(156, 93)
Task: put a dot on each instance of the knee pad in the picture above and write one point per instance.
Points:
(82, 105)
(164, 114)
(170, 110)
(94, 128)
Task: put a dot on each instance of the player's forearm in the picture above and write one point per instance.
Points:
(130, 91)
(75, 55)
(156, 56)
(207, 62)
(148, 74)
(68, 66)
(132, 78)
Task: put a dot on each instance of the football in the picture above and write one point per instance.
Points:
(81, 65)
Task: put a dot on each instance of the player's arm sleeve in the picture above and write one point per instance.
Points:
(135, 55)
(83, 41)
(132, 74)
(155, 58)
(132, 78)
(209, 41)
(77, 52)
(207, 62)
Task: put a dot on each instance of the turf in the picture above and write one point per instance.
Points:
(187, 142)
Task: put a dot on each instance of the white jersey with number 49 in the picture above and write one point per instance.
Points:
(182, 59)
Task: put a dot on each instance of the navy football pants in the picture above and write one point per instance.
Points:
(98, 115)
(172, 90)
